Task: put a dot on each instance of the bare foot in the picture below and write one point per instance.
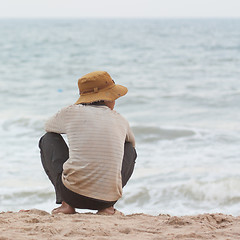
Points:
(64, 208)
(23, 210)
(110, 211)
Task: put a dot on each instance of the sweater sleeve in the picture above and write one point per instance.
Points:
(56, 123)
(130, 136)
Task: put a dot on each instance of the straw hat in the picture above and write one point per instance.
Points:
(97, 86)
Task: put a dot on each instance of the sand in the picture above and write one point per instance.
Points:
(37, 224)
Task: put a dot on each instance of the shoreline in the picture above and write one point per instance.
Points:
(39, 224)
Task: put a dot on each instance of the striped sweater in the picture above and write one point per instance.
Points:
(96, 137)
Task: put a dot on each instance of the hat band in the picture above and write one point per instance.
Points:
(95, 90)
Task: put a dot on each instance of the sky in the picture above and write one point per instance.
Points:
(119, 8)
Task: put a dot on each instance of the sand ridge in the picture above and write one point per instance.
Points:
(38, 224)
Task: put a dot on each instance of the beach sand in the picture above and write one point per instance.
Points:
(38, 224)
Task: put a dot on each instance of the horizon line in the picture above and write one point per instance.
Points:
(120, 17)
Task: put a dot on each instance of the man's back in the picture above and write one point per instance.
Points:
(96, 136)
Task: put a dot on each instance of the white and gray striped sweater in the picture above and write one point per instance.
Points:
(96, 137)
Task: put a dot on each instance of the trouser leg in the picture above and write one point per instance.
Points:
(54, 153)
(128, 163)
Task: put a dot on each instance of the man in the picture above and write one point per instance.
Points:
(90, 172)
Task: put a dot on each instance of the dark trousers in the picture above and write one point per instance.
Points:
(55, 152)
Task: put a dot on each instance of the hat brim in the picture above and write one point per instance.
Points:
(105, 94)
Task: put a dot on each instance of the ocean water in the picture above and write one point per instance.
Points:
(183, 104)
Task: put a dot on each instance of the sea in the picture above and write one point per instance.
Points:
(183, 105)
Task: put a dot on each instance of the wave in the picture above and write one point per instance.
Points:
(28, 198)
(179, 198)
(152, 134)
(192, 196)
(23, 126)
